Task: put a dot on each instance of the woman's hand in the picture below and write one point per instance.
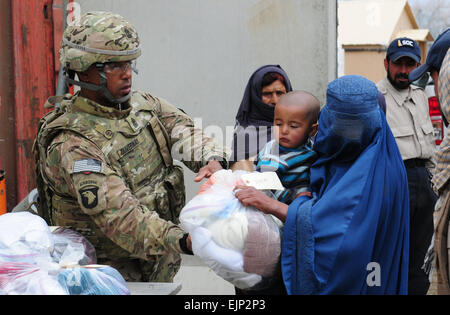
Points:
(250, 196)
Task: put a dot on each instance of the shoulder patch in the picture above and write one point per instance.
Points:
(89, 197)
(87, 165)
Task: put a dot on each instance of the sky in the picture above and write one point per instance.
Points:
(432, 14)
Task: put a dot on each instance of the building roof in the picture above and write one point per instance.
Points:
(420, 35)
(363, 22)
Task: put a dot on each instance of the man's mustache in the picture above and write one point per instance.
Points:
(401, 76)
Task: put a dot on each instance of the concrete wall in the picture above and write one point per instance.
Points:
(199, 54)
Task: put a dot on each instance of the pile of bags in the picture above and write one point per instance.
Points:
(240, 244)
(36, 260)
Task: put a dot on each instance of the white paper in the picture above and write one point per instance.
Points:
(261, 181)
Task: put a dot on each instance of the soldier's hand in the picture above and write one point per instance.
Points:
(206, 171)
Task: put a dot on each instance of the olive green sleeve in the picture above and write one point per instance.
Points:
(103, 195)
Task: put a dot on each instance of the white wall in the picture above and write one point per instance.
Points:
(199, 54)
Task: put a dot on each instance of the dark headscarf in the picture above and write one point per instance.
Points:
(358, 218)
(254, 112)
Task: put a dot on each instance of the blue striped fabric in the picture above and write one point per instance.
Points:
(291, 165)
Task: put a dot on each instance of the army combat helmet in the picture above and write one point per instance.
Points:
(98, 38)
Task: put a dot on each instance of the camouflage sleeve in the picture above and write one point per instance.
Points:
(189, 144)
(79, 169)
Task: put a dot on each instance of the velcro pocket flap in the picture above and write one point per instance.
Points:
(402, 131)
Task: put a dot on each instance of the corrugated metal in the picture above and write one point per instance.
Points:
(34, 77)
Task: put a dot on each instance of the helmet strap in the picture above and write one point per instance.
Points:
(103, 82)
(99, 88)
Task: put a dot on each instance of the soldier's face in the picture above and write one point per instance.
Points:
(119, 75)
(119, 78)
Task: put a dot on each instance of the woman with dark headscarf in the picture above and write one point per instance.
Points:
(352, 236)
(254, 119)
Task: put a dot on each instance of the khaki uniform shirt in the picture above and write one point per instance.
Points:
(407, 114)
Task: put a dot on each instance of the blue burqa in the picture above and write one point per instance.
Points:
(352, 236)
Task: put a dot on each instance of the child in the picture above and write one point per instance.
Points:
(290, 154)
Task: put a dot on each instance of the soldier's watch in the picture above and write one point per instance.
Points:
(223, 162)
(183, 245)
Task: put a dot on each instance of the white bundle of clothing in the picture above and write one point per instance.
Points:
(241, 244)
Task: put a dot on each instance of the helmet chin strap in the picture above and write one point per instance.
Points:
(99, 88)
(106, 92)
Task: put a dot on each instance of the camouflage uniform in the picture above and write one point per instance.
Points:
(108, 173)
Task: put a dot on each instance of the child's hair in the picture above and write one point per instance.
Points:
(297, 98)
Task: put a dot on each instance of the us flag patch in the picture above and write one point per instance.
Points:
(87, 165)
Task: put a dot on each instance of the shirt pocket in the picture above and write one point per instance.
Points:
(427, 129)
(402, 131)
(174, 183)
(404, 136)
(429, 138)
(140, 163)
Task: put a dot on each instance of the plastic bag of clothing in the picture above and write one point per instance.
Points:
(25, 237)
(27, 279)
(98, 280)
(72, 247)
(32, 258)
(240, 244)
(25, 232)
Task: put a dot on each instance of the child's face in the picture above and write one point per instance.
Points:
(292, 126)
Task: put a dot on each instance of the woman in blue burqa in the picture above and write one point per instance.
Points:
(352, 235)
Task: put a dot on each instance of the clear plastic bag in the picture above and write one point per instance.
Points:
(25, 237)
(240, 244)
(34, 260)
(71, 247)
(99, 280)
(27, 279)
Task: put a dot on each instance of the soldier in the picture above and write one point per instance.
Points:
(103, 155)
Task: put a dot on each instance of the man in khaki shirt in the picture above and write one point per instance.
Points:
(408, 117)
